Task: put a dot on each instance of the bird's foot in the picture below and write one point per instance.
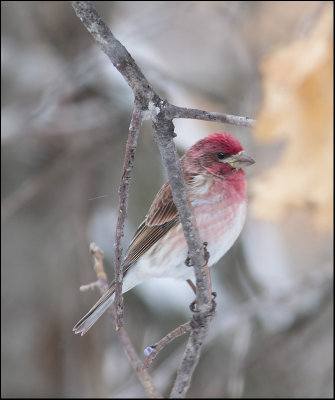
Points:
(206, 252)
(188, 261)
(193, 307)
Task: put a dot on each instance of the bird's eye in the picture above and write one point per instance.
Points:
(221, 155)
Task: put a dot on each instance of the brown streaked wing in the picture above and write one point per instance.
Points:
(162, 208)
(162, 216)
(145, 237)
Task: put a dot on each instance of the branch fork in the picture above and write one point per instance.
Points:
(149, 105)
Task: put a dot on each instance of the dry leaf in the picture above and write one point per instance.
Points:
(298, 108)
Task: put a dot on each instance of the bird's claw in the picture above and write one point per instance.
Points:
(193, 307)
(213, 309)
(188, 261)
(206, 252)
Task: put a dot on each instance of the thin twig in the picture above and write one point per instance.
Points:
(154, 349)
(134, 130)
(181, 112)
(128, 347)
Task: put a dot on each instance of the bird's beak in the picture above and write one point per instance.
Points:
(240, 160)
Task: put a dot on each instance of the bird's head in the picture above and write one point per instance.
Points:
(219, 154)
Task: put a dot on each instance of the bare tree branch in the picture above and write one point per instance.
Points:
(116, 52)
(181, 112)
(164, 131)
(134, 130)
(161, 114)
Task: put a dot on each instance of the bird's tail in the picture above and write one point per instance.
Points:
(95, 312)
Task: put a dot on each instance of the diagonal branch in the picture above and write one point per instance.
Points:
(116, 52)
(152, 351)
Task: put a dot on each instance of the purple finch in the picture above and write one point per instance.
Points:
(217, 189)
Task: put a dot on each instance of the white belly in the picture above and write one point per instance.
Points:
(220, 230)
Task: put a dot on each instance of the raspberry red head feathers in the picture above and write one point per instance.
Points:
(217, 154)
(217, 142)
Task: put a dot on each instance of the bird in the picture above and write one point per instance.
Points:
(216, 187)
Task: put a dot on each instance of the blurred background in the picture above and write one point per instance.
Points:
(65, 113)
